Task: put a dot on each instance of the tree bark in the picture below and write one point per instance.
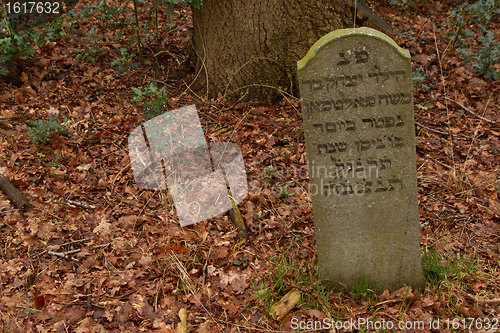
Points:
(249, 48)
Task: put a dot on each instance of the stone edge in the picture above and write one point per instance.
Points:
(343, 33)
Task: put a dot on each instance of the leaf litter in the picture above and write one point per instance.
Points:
(99, 254)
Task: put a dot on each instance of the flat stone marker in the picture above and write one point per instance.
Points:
(357, 107)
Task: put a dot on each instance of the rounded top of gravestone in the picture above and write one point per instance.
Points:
(343, 33)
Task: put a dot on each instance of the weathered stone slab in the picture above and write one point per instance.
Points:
(357, 107)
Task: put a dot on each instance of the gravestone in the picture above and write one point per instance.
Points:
(357, 107)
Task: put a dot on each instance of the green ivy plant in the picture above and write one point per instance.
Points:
(418, 78)
(91, 53)
(17, 39)
(467, 18)
(40, 131)
(484, 59)
(154, 99)
(124, 62)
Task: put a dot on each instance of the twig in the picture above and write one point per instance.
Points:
(471, 112)
(431, 129)
(183, 325)
(170, 54)
(76, 241)
(81, 204)
(101, 245)
(206, 264)
(89, 298)
(281, 308)
(442, 132)
(64, 254)
(239, 223)
(309, 291)
(482, 300)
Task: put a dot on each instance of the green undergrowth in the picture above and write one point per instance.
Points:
(289, 269)
(41, 131)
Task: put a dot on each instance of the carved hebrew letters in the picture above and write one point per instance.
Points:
(357, 108)
(360, 56)
(384, 76)
(361, 187)
(372, 133)
(345, 103)
(361, 84)
(330, 147)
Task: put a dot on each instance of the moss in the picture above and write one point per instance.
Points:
(343, 33)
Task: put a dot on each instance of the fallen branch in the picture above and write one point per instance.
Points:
(471, 112)
(241, 230)
(17, 198)
(285, 305)
(183, 325)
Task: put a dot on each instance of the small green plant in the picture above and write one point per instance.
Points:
(485, 58)
(365, 288)
(403, 3)
(273, 286)
(154, 99)
(257, 217)
(282, 192)
(401, 34)
(432, 266)
(453, 271)
(269, 171)
(241, 262)
(18, 44)
(40, 131)
(418, 77)
(140, 32)
(13, 45)
(471, 21)
(28, 309)
(93, 51)
(89, 53)
(124, 62)
(55, 163)
(268, 176)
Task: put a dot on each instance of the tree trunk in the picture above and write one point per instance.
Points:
(250, 48)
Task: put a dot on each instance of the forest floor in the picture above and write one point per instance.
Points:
(97, 253)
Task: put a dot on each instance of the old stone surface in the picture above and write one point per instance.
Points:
(357, 107)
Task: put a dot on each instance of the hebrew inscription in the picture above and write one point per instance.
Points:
(357, 108)
(345, 103)
(341, 92)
